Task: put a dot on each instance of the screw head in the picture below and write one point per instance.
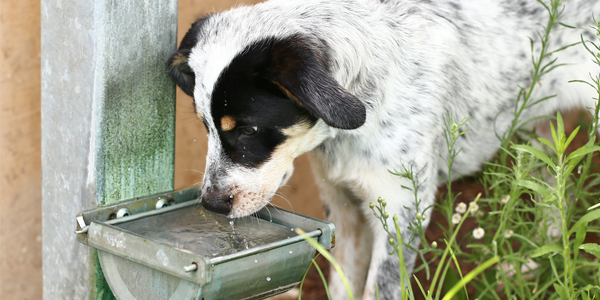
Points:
(123, 212)
(162, 203)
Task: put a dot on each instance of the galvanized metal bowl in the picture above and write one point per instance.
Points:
(168, 247)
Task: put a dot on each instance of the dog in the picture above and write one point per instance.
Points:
(364, 87)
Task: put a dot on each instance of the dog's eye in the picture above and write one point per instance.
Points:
(249, 130)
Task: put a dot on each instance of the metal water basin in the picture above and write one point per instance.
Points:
(168, 247)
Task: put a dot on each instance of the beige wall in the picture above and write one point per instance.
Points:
(20, 161)
(20, 134)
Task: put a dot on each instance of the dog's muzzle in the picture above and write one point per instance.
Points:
(218, 201)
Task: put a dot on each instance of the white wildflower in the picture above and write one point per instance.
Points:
(461, 208)
(508, 233)
(505, 199)
(473, 207)
(478, 233)
(456, 218)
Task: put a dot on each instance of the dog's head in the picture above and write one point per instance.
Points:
(265, 98)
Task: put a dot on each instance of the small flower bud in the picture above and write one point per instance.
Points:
(371, 205)
(423, 217)
(383, 203)
(418, 216)
(434, 244)
(454, 128)
(379, 200)
(478, 233)
(391, 241)
(386, 215)
(473, 207)
(395, 218)
(456, 218)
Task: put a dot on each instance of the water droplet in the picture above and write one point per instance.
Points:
(231, 222)
(292, 229)
(291, 252)
(225, 104)
(268, 278)
(212, 265)
(243, 155)
(256, 260)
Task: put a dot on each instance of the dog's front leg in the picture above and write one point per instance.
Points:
(353, 252)
(384, 268)
(353, 237)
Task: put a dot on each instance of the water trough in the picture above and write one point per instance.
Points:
(168, 247)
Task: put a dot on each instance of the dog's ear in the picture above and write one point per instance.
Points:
(180, 71)
(178, 66)
(297, 68)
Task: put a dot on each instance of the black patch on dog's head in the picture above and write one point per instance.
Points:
(298, 68)
(178, 66)
(274, 84)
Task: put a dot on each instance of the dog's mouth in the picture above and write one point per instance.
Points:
(248, 203)
(238, 202)
(235, 203)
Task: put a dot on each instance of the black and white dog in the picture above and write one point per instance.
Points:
(364, 86)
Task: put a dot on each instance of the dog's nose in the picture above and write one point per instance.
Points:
(217, 201)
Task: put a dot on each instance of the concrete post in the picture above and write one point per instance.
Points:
(108, 112)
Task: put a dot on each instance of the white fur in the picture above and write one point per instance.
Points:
(411, 63)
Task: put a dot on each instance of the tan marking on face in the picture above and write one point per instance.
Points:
(227, 123)
(259, 185)
(179, 59)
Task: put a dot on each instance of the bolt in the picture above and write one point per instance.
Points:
(123, 212)
(162, 203)
(190, 268)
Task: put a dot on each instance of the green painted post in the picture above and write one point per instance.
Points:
(108, 123)
(136, 133)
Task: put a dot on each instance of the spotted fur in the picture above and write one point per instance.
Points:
(364, 85)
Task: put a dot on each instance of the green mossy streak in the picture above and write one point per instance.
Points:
(136, 118)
